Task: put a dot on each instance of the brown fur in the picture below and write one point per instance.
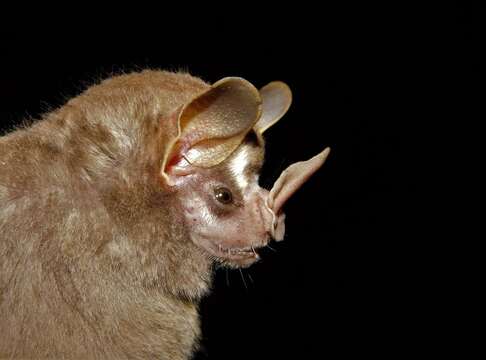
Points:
(93, 261)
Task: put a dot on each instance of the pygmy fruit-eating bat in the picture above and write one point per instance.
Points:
(115, 207)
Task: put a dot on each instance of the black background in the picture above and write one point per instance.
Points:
(348, 279)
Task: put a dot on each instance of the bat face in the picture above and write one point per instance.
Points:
(216, 175)
(226, 208)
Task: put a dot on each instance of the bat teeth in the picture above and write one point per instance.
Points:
(239, 251)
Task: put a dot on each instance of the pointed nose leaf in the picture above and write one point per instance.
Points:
(292, 179)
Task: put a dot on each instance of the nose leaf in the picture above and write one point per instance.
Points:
(292, 179)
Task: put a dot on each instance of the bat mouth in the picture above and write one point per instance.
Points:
(232, 255)
(237, 256)
(238, 252)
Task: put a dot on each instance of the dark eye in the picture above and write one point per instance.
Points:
(223, 195)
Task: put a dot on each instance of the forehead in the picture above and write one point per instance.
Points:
(245, 163)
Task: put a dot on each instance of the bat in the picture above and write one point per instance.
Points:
(115, 208)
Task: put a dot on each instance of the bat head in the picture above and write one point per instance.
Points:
(213, 164)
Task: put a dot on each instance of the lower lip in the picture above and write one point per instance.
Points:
(246, 255)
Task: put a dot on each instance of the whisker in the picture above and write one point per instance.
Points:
(271, 248)
(249, 276)
(243, 278)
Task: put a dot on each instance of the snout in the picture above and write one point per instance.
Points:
(273, 224)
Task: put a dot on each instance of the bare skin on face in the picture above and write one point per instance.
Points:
(227, 209)
(114, 208)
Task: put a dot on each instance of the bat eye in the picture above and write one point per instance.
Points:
(223, 195)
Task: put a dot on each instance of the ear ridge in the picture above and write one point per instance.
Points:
(276, 100)
(213, 124)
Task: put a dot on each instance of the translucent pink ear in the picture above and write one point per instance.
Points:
(276, 100)
(213, 125)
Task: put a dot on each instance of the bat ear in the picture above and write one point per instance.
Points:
(276, 100)
(212, 125)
